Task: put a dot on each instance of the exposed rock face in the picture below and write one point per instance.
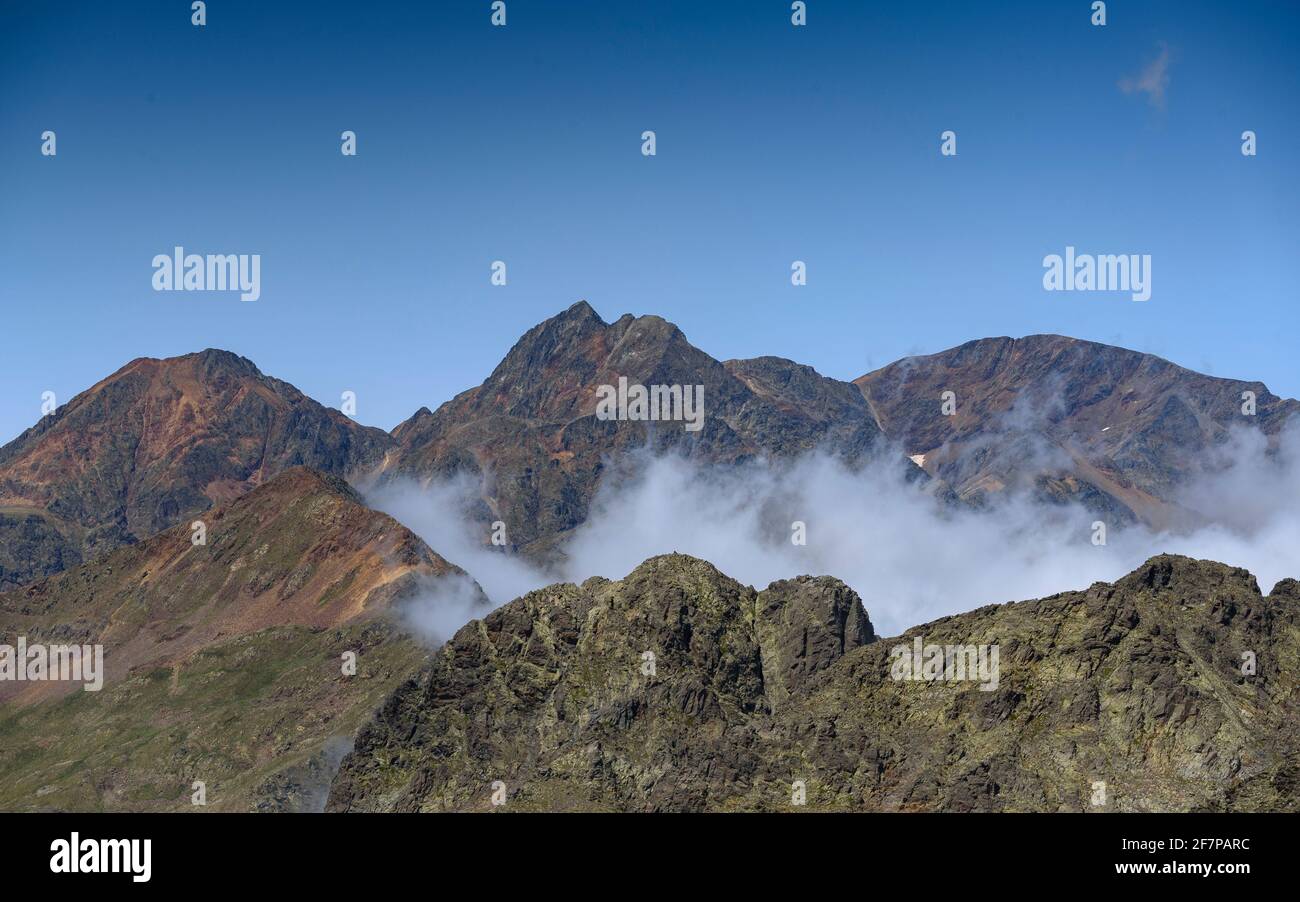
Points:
(223, 661)
(531, 434)
(1137, 685)
(153, 444)
(1065, 419)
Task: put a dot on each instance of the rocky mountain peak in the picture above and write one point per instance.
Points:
(530, 432)
(1174, 576)
(155, 442)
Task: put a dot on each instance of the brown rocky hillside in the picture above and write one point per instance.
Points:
(154, 443)
(1119, 430)
(223, 660)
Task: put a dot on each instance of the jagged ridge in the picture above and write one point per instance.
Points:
(1136, 684)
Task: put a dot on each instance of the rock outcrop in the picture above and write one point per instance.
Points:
(678, 689)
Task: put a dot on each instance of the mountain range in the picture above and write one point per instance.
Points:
(223, 656)
(161, 440)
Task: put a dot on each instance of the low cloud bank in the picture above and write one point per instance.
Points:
(909, 556)
(438, 513)
(443, 606)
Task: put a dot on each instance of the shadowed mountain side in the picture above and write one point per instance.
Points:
(224, 661)
(153, 444)
(1138, 685)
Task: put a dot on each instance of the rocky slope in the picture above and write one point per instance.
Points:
(530, 435)
(223, 660)
(1126, 696)
(1066, 419)
(154, 443)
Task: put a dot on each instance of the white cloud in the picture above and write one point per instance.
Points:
(437, 514)
(1153, 80)
(910, 557)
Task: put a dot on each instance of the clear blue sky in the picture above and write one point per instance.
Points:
(523, 144)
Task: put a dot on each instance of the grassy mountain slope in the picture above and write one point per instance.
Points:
(223, 660)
